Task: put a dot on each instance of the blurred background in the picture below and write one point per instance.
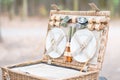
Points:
(38, 8)
(23, 27)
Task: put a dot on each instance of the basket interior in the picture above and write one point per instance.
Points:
(48, 71)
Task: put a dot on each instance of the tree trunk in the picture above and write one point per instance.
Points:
(24, 9)
(75, 6)
(68, 4)
(0, 33)
(11, 9)
(0, 25)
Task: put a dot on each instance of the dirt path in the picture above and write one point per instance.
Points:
(23, 41)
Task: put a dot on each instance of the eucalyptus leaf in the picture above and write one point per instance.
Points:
(70, 33)
(73, 31)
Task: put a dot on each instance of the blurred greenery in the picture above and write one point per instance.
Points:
(26, 8)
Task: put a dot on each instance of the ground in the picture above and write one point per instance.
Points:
(24, 41)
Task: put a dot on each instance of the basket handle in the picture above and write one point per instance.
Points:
(92, 5)
(54, 6)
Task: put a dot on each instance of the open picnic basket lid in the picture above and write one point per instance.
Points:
(95, 38)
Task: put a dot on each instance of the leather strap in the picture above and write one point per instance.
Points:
(94, 7)
(82, 45)
(55, 44)
(54, 6)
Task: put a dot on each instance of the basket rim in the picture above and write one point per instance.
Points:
(84, 13)
(8, 69)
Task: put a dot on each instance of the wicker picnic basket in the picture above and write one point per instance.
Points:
(93, 70)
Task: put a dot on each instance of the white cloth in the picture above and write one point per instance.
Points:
(48, 71)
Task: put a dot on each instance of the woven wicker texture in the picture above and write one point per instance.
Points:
(93, 70)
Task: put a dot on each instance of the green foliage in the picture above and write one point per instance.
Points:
(116, 2)
(6, 2)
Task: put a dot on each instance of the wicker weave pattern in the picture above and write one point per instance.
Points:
(103, 41)
(93, 70)
(82, 13)
(22, 76)
(104, 38)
